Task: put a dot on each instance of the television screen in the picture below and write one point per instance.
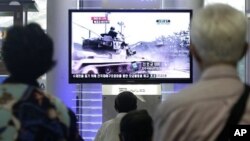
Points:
(129, 46)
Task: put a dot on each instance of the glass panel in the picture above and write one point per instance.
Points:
(6, 20)
(39, 17)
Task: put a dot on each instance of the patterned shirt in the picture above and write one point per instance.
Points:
(26, 111)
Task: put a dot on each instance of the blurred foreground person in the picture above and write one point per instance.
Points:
(124, 102)
(27, 113)
(202, 111)
(136, 126)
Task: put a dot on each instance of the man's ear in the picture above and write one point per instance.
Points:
(194, 53)
(121, 137)
(115, 106)
(246, 46)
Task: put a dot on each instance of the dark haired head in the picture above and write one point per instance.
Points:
(27, 52)
(136, 126)
(126, 101)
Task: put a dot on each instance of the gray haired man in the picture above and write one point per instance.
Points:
(199, 113)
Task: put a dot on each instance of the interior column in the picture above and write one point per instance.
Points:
(57, 28)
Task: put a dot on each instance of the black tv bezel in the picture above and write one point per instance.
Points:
(128, 80)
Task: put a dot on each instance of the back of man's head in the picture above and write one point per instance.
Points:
(27, 51)
(125, 101)
(218, 34)
(136, 126)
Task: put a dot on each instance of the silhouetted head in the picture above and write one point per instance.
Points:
(27, 52)
(126, 101)
(136, 126)
(112, 28)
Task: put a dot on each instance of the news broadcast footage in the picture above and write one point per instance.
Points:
(130, 45)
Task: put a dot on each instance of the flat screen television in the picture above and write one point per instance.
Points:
(129, 46)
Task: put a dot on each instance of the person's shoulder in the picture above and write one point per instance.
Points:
(184, 98)
(105, 126)
(61, 109)
(202, 91)
(14, 91)
(108, 122)
(33, 102)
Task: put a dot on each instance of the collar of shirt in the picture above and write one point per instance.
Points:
(120, 115)
(220, 71)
